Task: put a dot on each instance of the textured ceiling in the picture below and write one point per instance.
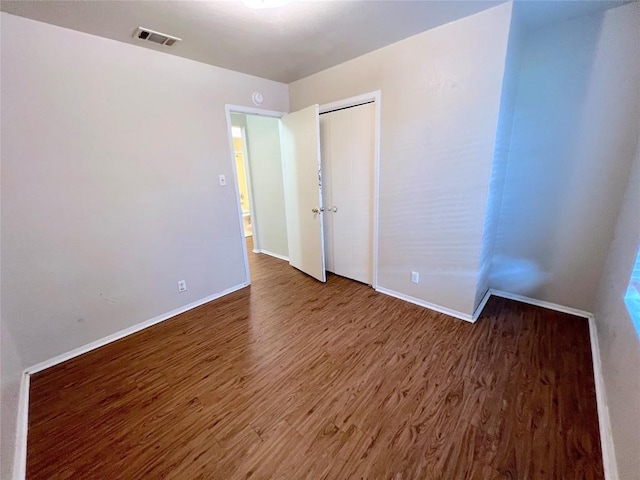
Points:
(285, 43)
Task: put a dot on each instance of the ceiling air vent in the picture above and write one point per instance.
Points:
(155, 37)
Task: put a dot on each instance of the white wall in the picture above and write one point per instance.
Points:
(573, 139)
(619, 342)
(440, 100)
(265, 164)
(110, 159)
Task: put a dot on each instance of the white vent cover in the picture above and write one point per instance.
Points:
(147, 35)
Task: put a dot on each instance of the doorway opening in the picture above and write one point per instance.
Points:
(255, 144)
(241, 173)
(307, 186)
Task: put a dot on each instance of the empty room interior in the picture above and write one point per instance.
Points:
(280, 239)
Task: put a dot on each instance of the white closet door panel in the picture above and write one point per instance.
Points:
(351, 150)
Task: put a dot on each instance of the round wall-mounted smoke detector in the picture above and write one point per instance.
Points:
(257, 98)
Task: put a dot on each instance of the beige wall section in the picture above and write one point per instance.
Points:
(619, 342)
(440, 101)
(265, 163)
(573, 139)
(110, 162)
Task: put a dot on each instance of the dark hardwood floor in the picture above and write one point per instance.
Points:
(292, 379)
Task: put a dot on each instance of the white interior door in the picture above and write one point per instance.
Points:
(348, 152)
(300, 143)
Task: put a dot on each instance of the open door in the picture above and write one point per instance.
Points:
(300, 143)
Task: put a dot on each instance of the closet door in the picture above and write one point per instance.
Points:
(348, 151)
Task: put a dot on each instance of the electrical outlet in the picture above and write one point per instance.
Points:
(222, 179)
(182, 286)
(415, 277)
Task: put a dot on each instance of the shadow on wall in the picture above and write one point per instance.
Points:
(553, 83)
(517, 275)
(632, 296)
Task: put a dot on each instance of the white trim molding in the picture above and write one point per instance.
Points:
(228, 110)
(255, 228)
(438, 308)
(128, 331)
(481, 306)
(20, 454)
(22, 426)
(604, 421)
(606, 438)
(272, 254)
(431, 306)
(351, 101)
(541, 303)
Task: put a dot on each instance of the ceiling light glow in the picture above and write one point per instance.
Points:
(264, 3)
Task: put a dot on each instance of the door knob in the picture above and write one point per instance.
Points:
(317, 210)
(333, 209)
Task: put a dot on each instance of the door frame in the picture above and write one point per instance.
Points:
(376, 98)
(248, 179)
(228, 110)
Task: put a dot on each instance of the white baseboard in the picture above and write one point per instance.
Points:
(431, 306)
(606, 439)
(541, 303)
(604, 421)
(128, 331)
(276, 255)
(20, 454)
(22, 425)
(481, 306)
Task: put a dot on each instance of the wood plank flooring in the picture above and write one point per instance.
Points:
(291, 379)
